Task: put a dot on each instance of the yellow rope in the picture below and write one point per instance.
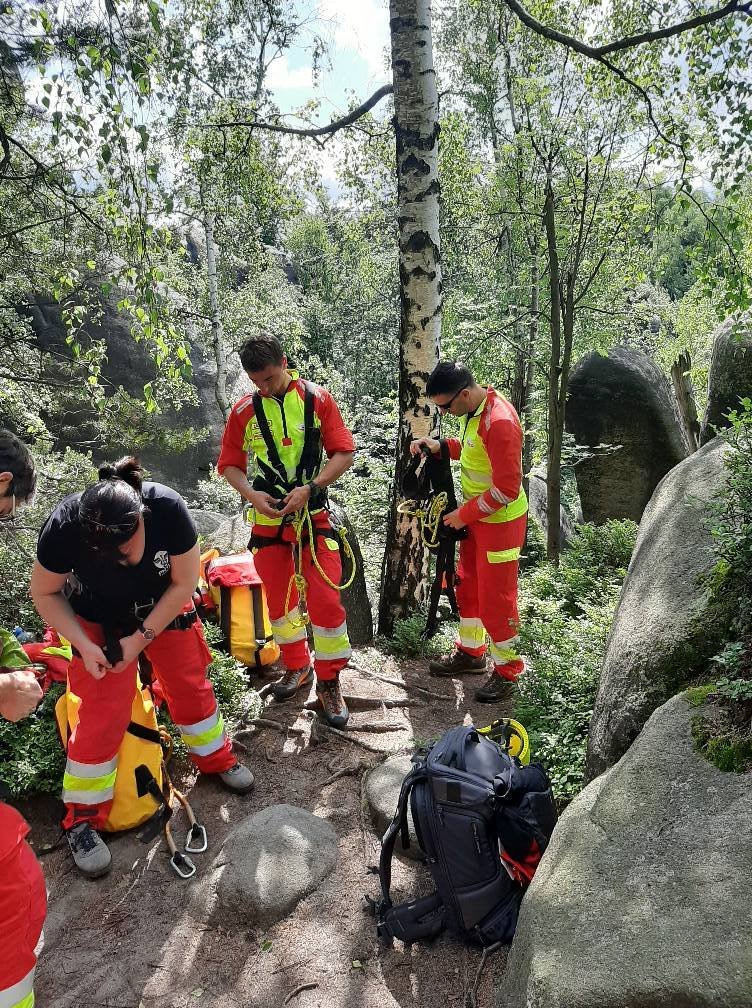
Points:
(430, 519)
(302, 520)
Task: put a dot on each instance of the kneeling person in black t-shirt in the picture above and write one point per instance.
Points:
(116, 569)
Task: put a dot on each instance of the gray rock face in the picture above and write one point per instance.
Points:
(538, 504)
(730, 377)
(623, 399)
(381, 789)
(642, 898)
(207, 522)
(661, 635)
(129, 364)
(271, 861)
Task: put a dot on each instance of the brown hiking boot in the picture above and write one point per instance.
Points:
(333, 707)
(457, 663)
(496, 689)
(291, 682)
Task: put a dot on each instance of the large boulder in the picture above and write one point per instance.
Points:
(537, 496)
(623, 401)
(269, 863)
(642, 898)
(663, 633)
(381, 790)
(730, 377)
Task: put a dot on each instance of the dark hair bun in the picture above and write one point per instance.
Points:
(127, 469)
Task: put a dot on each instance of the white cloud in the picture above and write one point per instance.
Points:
(281, 76)
(361, 27)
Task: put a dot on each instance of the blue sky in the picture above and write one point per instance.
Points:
(357, 34)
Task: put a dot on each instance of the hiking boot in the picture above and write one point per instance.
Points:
(291, 682)
(333, 707)
(497, 689)
(90, 852)
(238, 779)
(457, 663)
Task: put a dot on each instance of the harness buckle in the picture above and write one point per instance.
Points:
(142, 610)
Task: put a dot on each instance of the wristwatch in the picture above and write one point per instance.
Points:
(313, 487)
(147, 633)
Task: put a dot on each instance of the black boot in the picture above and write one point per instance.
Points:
(498, 690)
(291, 682)
(456, 664)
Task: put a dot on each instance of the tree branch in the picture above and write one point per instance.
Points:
(630, 41)
(332, 127)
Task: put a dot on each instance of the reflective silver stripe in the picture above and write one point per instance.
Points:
(77, 769)
(329, 632)
(87, 798)
(499, 496)
(15, 995)
(210, 747)
(344, 652)
(200, 726)
(485, 508)
(292, 617)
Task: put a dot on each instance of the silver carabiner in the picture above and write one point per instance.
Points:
(196, 842)
(183, 865)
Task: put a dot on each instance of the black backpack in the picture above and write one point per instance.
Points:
(482, 821)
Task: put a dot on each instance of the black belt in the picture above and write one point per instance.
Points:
(183, 621)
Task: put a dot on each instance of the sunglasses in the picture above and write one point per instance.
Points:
(97, 527)
(445, 406)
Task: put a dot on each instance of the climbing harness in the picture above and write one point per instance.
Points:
(428, 492)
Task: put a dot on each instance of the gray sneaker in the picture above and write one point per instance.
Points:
(90, 852)
(238, 779)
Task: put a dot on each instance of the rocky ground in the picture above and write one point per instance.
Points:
(142, 937)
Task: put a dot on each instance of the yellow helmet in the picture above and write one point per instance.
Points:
(511, 736)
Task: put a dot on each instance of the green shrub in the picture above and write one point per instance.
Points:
(31, 754)
(565, 618)
(407, 639)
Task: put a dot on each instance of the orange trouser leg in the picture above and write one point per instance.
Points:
(276, 565)
(471, 636)
(180, 659)
(104, 715)
(23, 904)
(497, 564)
(328, 619)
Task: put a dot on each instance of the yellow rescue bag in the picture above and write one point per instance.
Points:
(239, 598)
(141, 745)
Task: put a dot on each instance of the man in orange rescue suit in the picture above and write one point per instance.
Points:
(495, 514)
(284, 426)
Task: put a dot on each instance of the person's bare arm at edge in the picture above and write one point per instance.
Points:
(54, 608)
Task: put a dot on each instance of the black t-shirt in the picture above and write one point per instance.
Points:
(100, 590)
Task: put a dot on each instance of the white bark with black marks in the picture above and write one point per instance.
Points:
(218, 343)
(416, 125)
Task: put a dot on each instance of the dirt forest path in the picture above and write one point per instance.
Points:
(130, 940)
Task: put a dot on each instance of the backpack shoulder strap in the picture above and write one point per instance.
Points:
(397, 825)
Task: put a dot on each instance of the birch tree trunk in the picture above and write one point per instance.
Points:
(218, 343)
(555, 422)
(405, 570)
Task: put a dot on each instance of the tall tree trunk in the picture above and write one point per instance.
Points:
(532, 342)
(405, 568)
(218, 343)
(555, 422)
(685, 398)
